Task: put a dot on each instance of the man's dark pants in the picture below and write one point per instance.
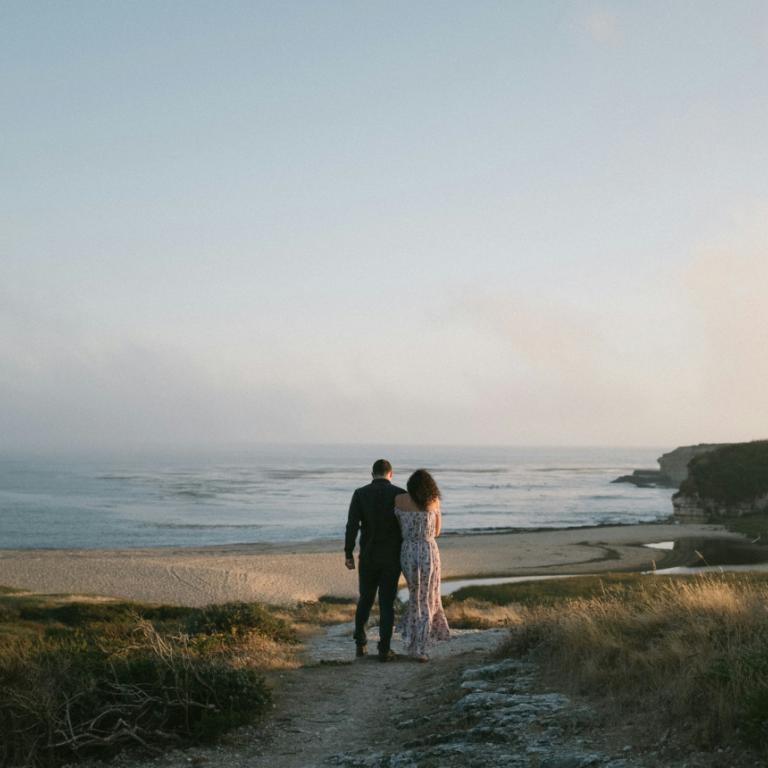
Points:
(382, 577)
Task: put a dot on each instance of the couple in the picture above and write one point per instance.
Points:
(397, 531)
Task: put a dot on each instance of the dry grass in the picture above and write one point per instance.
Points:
(323, 612)
(693, 650)
(480, 614)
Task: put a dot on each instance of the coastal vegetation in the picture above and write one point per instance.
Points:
(688, 652)
(754, 526)
(83, 677)
(86, 677)
(730, 480)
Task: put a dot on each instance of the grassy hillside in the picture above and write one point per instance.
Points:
(686, 651)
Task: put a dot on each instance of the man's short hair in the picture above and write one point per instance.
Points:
(381, 467)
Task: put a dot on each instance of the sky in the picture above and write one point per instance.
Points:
(515, 223)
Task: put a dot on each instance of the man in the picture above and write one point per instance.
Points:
(372, 512)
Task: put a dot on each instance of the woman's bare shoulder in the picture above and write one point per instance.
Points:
(404, 501)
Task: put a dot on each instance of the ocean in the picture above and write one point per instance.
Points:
(300, 493)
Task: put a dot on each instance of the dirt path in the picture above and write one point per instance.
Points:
(337, 706)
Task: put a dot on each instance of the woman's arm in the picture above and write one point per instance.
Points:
(438, 522)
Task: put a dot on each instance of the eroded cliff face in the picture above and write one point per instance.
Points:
(674, 465)
(693, 507)
(729, 480)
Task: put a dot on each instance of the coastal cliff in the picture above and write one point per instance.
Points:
(727, 481)
(673, 467)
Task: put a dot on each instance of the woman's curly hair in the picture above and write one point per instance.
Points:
(423, 488)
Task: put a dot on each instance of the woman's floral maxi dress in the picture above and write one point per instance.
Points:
(424, 621)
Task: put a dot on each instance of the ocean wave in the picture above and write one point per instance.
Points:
(490, 507)
(577, 469)
(182, 482)
(471, 470)
(207, 491)
(512, 486)
(193, 494)
(121, 477)
(297, 474)
(201, 526)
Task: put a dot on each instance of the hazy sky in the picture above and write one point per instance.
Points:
(424, 222)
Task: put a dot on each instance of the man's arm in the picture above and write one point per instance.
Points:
(398, 492)
(353, 526)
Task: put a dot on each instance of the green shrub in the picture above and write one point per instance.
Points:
(336, 600)
(88, 679)
(729, 474)
(8, 612)
(76, 614)
(238, 619)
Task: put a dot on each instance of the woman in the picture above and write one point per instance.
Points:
(418, 513)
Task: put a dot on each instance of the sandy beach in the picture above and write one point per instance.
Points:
(280, 574)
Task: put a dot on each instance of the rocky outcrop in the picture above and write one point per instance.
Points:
(499, 720)
(644, 478)
(727, 481)
(673, 467)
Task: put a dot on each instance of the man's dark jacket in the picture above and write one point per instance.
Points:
(372, 512)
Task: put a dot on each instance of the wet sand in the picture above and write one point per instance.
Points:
(285, 574)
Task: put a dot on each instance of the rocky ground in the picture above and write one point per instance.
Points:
(466, 708)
